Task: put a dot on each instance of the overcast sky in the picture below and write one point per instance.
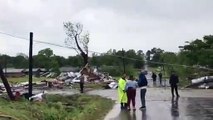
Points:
(112, 24)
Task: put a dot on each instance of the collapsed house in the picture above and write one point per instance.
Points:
(68, 77)
(205, 82)
(92, 74)
(13, 72)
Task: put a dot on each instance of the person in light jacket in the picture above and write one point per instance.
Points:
(122, 92)
(131, 87)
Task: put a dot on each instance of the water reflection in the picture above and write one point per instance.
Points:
(174, 108)
(133, 116)
(154, 84)
(126, 115)
(144, 116)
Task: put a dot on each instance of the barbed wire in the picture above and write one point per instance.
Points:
(128, 58)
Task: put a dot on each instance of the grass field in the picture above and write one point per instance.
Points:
(90, 85)
(57, 107)
(24, 79)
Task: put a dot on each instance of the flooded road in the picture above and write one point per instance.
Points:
(182, 109)
(192, 105)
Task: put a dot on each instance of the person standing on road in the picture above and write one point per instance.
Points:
(174, 80)
(83, 79)
(131, 87)
(142, 83)
(160, 78)
(154, 76)
(122, 92)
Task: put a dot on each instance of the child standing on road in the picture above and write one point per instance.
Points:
(131, 86)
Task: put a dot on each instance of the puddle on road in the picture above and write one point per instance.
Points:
(175, 109)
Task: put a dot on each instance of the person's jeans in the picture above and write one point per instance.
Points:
(160, 81)
(143, 94)
(81, 87)
(174, 87)
(131, 93)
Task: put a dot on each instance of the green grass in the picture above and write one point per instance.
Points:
(23, 79)
(90, 86)
(57, 107)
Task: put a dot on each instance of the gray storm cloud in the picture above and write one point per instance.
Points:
(116, 24)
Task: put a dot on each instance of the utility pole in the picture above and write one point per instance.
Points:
(123, 61)
(30, 87)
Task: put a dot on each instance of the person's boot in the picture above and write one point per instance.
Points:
(173, 95)
(143, 107)
(123, 106)
(178, 95)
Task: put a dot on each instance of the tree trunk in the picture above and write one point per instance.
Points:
(6, 85)
(83, 54)
(85, 58)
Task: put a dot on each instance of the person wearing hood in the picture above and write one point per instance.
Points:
(142, 83)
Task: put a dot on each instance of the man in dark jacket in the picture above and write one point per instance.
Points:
(154, 76)
(81, 83)
(174, 80)
(142, 83)
(160, 78)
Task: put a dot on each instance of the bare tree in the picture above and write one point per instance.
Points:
(76, 37)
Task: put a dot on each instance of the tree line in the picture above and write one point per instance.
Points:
(197, 53)
(194, 59)
(47, 59)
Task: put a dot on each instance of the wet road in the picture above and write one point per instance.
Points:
(182, 109)
(192, 105)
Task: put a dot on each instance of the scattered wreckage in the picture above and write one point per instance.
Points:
(205, 82)
(63, 80)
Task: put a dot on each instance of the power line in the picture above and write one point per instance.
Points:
(161, 63)
(57, 45)
(128, 58)
(37, 41)
(13, 36)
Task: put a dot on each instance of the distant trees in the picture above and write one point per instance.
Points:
(192, 60)
(109, 61)
(114, 58)
(195, 53)
(200, 52)
(19, 61)
(46, 59)
(153, 56)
